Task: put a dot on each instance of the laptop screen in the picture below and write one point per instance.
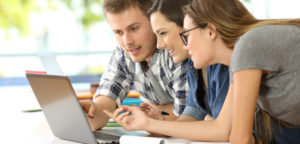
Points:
(61, 108)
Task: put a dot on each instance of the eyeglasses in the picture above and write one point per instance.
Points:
(184, 38)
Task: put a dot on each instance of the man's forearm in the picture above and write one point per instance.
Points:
(100, 118)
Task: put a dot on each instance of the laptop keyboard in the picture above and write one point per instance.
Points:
(106, 138)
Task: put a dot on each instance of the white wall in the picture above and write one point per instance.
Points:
(275, 9)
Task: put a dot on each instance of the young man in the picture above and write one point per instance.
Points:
(137, 62)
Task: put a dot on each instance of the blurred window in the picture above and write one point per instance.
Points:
(76, 36)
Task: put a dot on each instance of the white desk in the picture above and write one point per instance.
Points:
(30, 128)
(20, 127)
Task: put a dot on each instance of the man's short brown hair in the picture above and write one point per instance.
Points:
(117, 6)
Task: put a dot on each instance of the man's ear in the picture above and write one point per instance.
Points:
(212, 31)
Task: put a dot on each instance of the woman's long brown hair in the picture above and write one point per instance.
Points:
(231, 18)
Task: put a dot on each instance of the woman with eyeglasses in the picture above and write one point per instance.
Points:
(264, 57)
(264, 91)
(207, 89)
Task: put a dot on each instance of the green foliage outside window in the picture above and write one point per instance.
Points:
(14, 14)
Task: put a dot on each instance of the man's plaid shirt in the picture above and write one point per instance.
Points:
(123, 73)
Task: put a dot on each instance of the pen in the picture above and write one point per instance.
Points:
(145, 108)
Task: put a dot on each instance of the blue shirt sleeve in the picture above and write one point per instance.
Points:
(218, 84)
(192, 107)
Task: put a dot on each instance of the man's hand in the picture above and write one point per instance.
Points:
(89, 107)
(93, 109)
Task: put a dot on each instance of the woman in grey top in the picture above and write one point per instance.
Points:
(264, 56)
(265, 65)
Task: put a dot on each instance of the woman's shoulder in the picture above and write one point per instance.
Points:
(263, 37)
(267, 31)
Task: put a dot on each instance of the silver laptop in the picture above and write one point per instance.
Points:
(63, 112)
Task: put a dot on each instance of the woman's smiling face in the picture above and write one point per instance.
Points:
(167, 33)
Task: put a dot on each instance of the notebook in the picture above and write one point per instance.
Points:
(63, 112)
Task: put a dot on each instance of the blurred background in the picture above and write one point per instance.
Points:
(71, 37)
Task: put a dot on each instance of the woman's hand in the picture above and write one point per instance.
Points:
(132, 119)
(152, 111)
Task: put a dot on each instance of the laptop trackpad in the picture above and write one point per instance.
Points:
(106, 138)
(109, 135)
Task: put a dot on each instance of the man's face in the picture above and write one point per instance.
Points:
(133, 32)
